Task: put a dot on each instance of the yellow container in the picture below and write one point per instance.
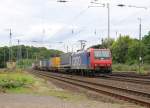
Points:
(55, 62)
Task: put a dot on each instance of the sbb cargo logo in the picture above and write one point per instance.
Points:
(76, 61)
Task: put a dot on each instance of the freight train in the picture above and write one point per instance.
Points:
(88, 62)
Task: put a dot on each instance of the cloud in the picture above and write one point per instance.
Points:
(69, 22)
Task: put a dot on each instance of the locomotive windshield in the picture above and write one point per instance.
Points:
(101, 54)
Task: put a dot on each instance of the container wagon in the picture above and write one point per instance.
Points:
(54, 63)
(44, 64)
(65, 62)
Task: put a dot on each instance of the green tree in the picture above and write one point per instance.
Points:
(146, 42)
(120, 49)
(26, 52)
(133, 52)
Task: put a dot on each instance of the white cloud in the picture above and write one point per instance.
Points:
(69, 21)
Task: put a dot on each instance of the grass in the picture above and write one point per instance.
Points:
(131, 68)
(10, 80)
(20, 82)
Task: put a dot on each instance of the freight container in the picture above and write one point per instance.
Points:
(35, 65)
(55, 62)
(65, 60)
(50, 64)
(80, 60)
(44, 64)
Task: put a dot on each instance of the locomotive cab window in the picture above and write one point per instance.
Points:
(101, 54)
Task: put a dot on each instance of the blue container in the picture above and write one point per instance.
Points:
(65, 60)
(50, 64)
(80, 60)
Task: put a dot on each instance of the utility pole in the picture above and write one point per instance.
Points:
(72, 47)
(102, 40)
(108, 7)
(82, 42)
(10, 45)
(18, 51)
(4, 57)
(140, 51)
(27, 54)
(108, 18)
(67, 49)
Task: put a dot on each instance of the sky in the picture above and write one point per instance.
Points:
(56, 25)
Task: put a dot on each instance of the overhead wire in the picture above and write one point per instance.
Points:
(73, 20)
(124, 20)
(80, 14)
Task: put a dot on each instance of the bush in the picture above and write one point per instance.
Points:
(131, 68)
(15, 80)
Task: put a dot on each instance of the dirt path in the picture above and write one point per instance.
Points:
(31, 101)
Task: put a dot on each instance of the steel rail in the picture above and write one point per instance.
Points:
(127, 79)
(131, 75)
(101, 89)
(98, 84)
(81, 79)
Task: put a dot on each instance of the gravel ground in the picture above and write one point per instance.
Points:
(40, 101)
(37, 101)
(129, 85)
(32, 101)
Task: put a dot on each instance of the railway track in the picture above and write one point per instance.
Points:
(139, 80)
(131, 75)
(139, 97)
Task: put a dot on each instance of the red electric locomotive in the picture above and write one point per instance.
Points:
(100, 60)
(92, 61)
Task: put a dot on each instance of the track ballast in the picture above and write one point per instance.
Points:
(131, 95)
